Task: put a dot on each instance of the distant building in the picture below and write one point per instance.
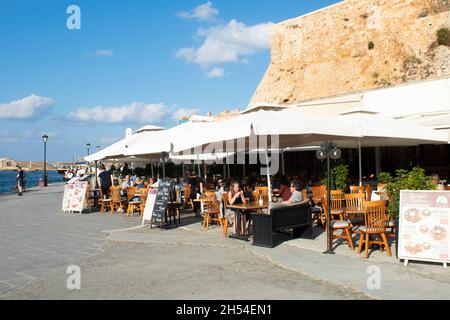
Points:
(6, 163)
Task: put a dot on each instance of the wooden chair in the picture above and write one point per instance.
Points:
(305, 194)
(143, 195)
(105, 202)
(354, 208)
(133, 206)
(117, 202)
(264, 192)
(187, 196)
(338, 225)
(337, 206)
(369, 191)
(225, 223)
(357, 189)
(89, 201)
(212, 211)
(131, 191)
(318, 193)
(375, 226)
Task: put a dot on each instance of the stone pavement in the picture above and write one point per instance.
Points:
(36, 236)
(345, 269)
(185, 263)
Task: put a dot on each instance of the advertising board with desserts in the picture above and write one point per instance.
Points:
(74, 196)
(424, 226)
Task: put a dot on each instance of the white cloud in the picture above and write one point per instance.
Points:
(228, 43)
(182, 113)
(30, 107)
(138, 112)
(216, 73)
(204, 12)
(104, 52)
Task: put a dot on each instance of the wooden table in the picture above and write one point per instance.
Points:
(240, 209)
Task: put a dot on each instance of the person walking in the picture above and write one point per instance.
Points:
(20, 181)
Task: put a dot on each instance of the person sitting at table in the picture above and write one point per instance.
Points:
(236, 196)
(126, 183)
(284, 191)
(296, 196)
(248, 193)
(139, 183)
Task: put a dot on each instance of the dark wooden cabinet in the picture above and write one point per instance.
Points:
(296, 217)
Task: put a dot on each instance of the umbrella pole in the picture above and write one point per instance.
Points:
(269, 186)
(151, 166)
(204, 170)
(360, 163)
(224, 169)
(282, 162)
(198, 167)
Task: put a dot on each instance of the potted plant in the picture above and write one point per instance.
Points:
(339, 175)
(383, 179)
(416, 179)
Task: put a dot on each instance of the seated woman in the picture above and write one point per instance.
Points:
(139, 183)
(236, 196)
(296, 196)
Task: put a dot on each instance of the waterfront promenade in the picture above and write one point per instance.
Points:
(39, 242)
(36, 236)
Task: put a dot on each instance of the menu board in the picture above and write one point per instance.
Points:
(162, 197)
(424, 233)
(150, 204)
(74, 196)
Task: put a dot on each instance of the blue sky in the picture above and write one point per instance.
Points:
(131, 64)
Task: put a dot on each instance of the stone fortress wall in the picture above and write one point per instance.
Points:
(355, 45)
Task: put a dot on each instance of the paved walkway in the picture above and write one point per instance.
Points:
(186, 263)
(36, 236)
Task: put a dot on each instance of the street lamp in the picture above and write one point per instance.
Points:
(88, 146)
(45, 178)
(328, 150)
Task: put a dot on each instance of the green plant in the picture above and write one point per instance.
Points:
(416, 179)
(371, 45)
(443, 36)
(338, 175)
(384, 178)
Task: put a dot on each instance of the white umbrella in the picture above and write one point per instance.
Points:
(118, 149)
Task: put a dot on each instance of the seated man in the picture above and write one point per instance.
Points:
(296, 196)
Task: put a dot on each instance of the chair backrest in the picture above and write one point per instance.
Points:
(369, 191)
(376, 216)
(143, 194)
(357, 189)
(354, 202)
(336, 195)
(225, 200)
(115, 194)
(264, 192)
(131, 191)
(212, 204)
(186, 192)
(336, 204)
(318, 192)
(88, 191)
(305, 194)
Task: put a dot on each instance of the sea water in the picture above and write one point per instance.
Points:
(8, 179)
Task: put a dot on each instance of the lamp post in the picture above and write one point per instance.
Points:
(45, 178)
(88, 146)
(329, 150)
